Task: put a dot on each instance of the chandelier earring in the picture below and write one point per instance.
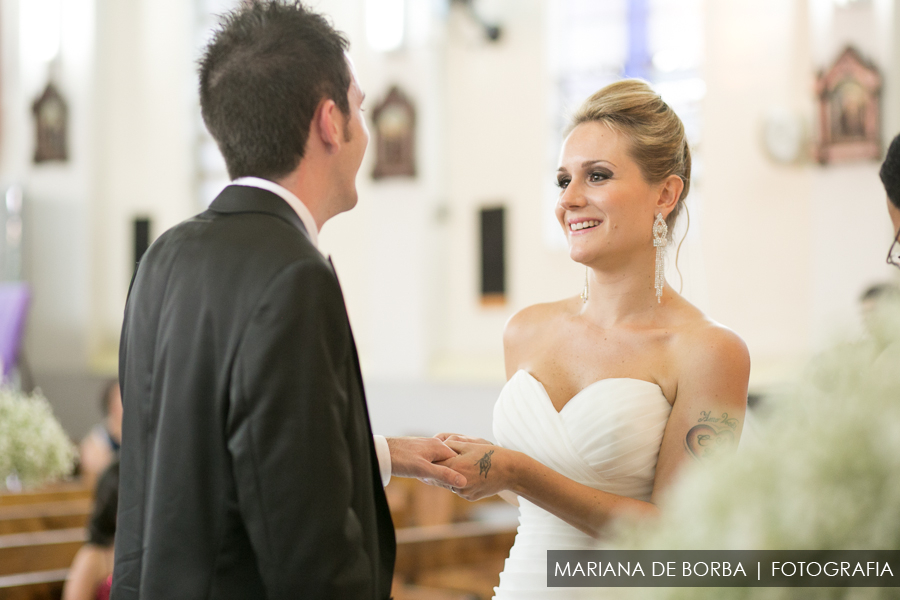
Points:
(584, 292)
(660, 233)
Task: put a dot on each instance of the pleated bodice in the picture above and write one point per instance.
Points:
(606, 437)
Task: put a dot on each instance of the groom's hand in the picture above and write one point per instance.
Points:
(458, 437)
(415, 457)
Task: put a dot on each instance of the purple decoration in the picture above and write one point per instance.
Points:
(14, 301)
(639, 60)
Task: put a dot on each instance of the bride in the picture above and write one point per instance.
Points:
(609, 393)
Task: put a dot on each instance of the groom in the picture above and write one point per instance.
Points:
(248, 467)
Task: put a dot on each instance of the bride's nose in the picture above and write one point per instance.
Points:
(572, 197)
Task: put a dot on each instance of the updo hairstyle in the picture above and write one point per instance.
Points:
(656, 134)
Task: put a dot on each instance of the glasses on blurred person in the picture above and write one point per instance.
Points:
(893, 257)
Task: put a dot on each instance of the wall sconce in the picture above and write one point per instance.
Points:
(491, 31)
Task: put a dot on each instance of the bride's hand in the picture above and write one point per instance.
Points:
(487, 468)
(458, 437)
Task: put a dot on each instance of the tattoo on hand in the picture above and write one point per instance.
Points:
(484, 464)
(711, 435)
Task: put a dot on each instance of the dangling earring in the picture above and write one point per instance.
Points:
(584, 292)
(660, 231)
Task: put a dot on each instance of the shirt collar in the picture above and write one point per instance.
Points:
(293, 201)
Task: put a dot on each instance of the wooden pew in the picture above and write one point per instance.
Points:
(41, 516)
(40, 585)
(441, 552)
(417, 592)
(34, 565)
(40, 532)
(39, 550)
(441, 548)
(465, 557)
(58, 492)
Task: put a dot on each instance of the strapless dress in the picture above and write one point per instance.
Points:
(606, 437)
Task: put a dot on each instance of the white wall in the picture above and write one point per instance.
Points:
(408, 252)
(756, 236)
(144, 146)
(386, 249)
(777, 252)
(123, 71)
(780, 257)
(850, 234)
(57, 196)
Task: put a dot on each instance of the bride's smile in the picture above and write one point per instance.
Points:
(577, 226)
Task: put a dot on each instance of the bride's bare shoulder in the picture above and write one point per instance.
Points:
(532, 321)
(528, 333)
(712, 345)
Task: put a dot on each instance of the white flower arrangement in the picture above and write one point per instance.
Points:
(34, 448)
(825, 474)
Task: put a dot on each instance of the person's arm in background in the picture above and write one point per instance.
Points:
(90, 567)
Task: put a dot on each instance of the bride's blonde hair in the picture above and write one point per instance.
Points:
(658, 143)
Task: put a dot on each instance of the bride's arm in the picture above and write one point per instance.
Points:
(713, 374)
(494, 470)
(710, 403)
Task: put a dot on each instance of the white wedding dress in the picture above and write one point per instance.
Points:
(607, 437)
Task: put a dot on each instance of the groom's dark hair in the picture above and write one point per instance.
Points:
(269, 65)
(890, 172)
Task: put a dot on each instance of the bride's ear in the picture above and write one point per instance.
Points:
(669, 193)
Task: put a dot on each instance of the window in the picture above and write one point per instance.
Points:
(592, 44)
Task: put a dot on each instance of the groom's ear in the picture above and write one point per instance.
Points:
(327, 125)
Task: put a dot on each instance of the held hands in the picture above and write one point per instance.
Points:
(422, 458)
(487, 468)
(457, 437)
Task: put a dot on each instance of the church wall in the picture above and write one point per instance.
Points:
(56, 196)
(144, 147)
(779, 252)
(756, 213)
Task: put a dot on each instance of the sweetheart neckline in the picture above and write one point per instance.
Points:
(588, 386)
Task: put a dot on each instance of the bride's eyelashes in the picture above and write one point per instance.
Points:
(596, 176)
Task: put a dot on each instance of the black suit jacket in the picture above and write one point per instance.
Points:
(247, 466)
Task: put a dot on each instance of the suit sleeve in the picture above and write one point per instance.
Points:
(286, 435)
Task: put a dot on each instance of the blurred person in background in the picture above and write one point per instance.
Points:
(890, 177)
(90, 576)
(100, 447)
(879, 302)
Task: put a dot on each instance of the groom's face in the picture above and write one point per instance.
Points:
(894, 212)
(356, 139)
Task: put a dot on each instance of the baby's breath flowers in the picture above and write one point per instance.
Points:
(824, 473)
(34, 449)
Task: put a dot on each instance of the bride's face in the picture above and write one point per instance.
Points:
(605, 206)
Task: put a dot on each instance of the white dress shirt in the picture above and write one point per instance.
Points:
(382, 451)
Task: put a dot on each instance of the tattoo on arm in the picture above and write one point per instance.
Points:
(711, 435)
(484, 464)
